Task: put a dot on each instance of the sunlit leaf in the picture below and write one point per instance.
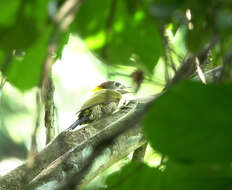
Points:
(134, 37)
(91, 18)
(191, 122)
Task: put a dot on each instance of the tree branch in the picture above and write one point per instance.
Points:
(33, 148)
(68, 143)
(49, 111)
(103, 140)
(73, 161)
(188, 67)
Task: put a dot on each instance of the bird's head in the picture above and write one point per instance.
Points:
(112, 85)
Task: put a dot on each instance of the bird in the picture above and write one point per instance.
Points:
(104, 101)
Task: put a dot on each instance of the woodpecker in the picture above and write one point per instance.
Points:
(103, 102)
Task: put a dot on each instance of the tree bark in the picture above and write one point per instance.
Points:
(67, 152)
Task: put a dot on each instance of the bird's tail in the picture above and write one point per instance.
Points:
(77, 122)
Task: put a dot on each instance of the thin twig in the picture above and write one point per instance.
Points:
(56, 120)
(156, 82)
(199, 71)
(165, 44)
(34, 148)
(210, 75)
(179, 57)
(188, 67)
(62, 21)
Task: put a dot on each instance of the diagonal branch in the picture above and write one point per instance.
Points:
(103, 141)
(64, 144)
(188, 67)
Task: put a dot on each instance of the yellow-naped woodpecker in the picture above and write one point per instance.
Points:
(103, 102)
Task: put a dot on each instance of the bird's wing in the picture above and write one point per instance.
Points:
(100, 97)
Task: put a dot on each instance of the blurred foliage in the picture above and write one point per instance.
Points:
(131, 173)
(121, 31)
(196, 114)
(194, 133)
(190, 123)
(176, 177)
(8, 147)
(27, 28)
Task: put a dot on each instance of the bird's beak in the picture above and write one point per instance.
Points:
(97, 89)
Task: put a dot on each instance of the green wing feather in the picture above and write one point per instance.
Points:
(100, 97)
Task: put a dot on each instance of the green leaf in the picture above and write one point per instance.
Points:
(29, 34)
(195, 177)
(191, 122)
(162, 12)
(136, 176)
(8, 10)
(223, 21)
(134, 36)
(174, 27)
(26, 73)
(30, 21)
(20, 36)
(91, 18)
(139, 176)
(39, 11)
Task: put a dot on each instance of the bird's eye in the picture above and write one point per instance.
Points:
(117, 84)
